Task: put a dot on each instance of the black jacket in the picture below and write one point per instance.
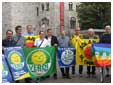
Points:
(105, 38)
(53, 40)
(7, 43)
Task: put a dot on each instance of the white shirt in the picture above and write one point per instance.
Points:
(49, 40)
(45, 43)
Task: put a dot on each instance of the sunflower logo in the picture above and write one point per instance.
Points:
(15, 58)
(38, 58)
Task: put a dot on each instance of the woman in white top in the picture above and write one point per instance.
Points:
(41, 41)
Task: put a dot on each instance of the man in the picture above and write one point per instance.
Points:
(41, 41)
(63, 41)
(20, 41)
(29, 32)
(28, 35)
(53, 42)
(91, 35)
(9, 41)
(75, 37)
(106, 38)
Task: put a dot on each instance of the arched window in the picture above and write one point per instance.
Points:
(70, 6)
(72, 22)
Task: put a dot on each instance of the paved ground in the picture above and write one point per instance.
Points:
(75, 78)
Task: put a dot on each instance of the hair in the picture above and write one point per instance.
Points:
(48, 30)
(18, 27)
(77, 28)
(9, 30)
(28, 25)
(40, 32)
(91, 29)
(107, 26)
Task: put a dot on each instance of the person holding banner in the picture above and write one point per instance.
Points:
(91, 35)
(9, 41)
(29, 32)
(63, 41)
(74, 38)
(41, 41)
(20, 40)
(53, 42)
(106, 38)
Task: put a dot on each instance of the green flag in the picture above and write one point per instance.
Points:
(40, 61)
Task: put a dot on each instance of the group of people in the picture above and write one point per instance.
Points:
(61, 41)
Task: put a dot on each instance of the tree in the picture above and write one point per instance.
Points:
(94, 14)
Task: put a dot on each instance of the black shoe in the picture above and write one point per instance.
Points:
(64, 76)
(47, 76)
(28, 80)
(55, 77)
(107, 75)
(73, 73)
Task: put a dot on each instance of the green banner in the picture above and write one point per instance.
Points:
(40, 61)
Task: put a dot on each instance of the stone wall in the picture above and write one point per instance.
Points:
(25, 13)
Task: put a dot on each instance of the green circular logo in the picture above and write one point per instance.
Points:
(38, 62)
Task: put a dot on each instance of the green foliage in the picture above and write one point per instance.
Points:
(94, 14)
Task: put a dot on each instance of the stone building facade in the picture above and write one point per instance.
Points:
(42, 15)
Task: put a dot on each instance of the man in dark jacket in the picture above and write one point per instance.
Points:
(53, 42)
(8, 41)
(106, 38)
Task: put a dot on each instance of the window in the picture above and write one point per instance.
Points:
(47, 6)
(37, 11)
(42, 5)
(72, 22)
(70, 6)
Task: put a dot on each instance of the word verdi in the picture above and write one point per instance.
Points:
(66, 57)
(6, 75)
(40, 61)
(102, 54)
(16, 61)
